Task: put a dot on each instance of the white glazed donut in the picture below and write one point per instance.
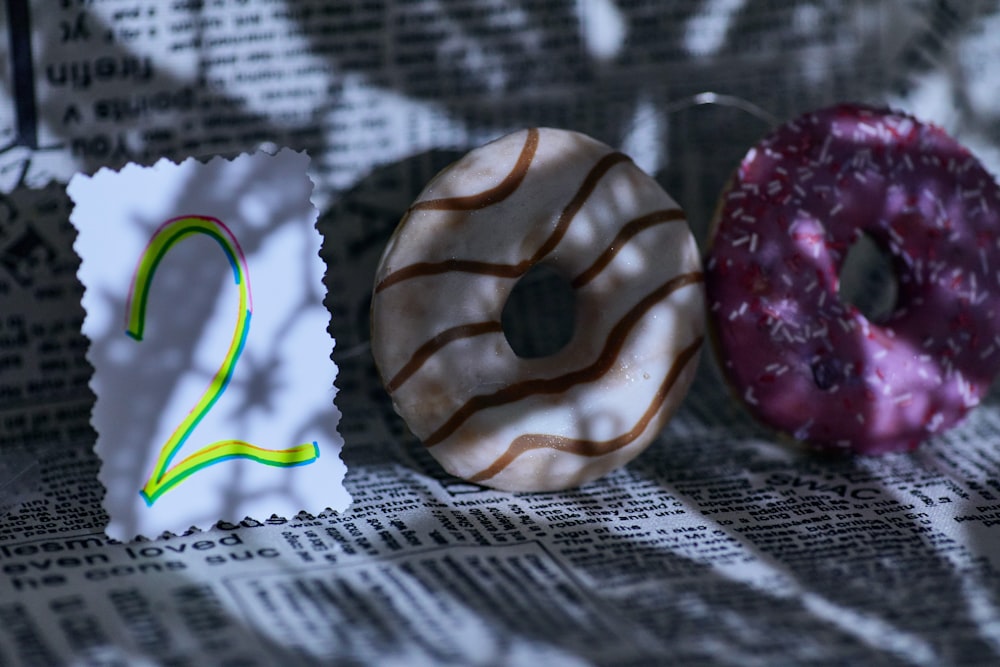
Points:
(564, 200)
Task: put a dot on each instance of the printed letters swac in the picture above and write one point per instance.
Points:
(81, 74)
(842, 490)
(134, 106)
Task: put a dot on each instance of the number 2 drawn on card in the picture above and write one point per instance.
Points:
(164, 475)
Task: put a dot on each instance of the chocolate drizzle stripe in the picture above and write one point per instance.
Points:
(590, 182)
(557, 385)
(512, 270)
(629, 230)
(428, 349)
(497, 193)
(419, 269)
(594, 448)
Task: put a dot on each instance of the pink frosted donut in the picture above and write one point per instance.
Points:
(565, 201)
(812, 366)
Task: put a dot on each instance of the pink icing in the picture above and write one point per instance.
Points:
(802, 360)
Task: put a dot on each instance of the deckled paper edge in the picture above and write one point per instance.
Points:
(80, 178)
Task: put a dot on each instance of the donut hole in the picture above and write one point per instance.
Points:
(537, 319)
(868, 280)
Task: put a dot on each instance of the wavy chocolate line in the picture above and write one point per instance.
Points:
(512, 270)
(629, 230)
(428, 349)
(594, 448)
(447, 266)
(562, 383)
(497, 193)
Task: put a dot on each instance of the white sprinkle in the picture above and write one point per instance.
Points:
(867, 129)
(935, 422)
(903, 398)
(749, 397)
(860, 417)
(908, 161)
(741, 240)
(881, 353)
(987, 352)
(968, 398)
(753, 243)
(743, 308)
(822, 298)
(836, 209)
(826, 147)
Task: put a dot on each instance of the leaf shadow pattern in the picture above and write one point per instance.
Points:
(45, 434)
(192, 289)
(834, 538)
(823, 592)
(355, 230)
(687, 134)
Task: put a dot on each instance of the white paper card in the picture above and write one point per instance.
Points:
(209, 341)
